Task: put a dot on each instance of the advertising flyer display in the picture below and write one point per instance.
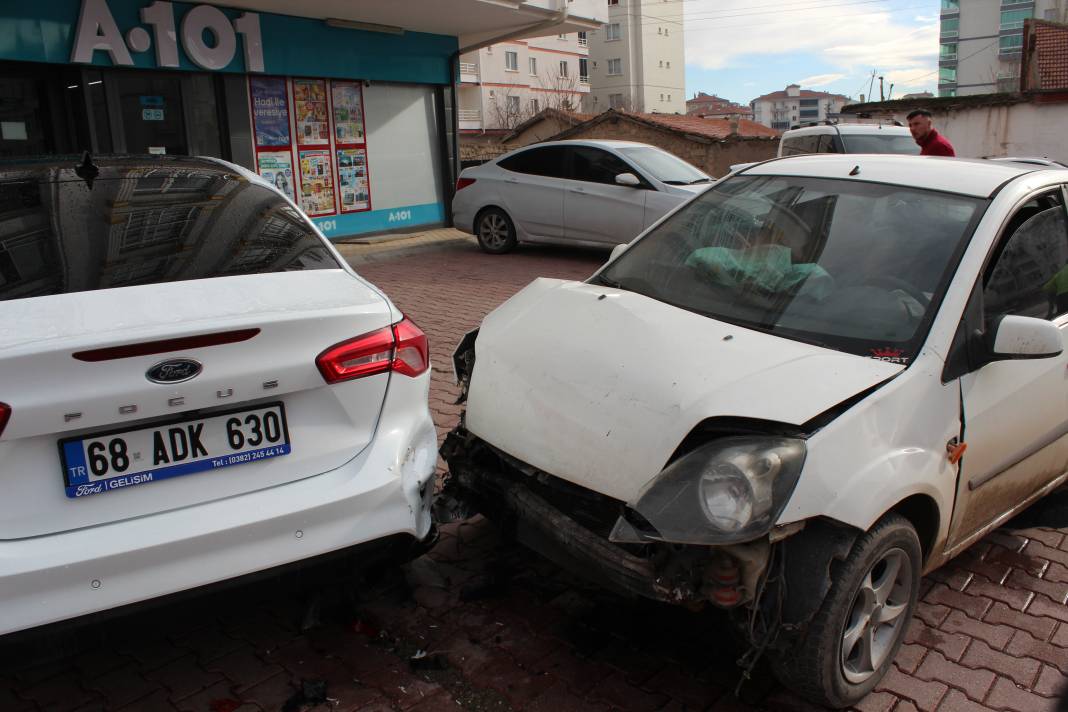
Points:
(309, 105)
(270, 111)
(277, 168)
(352, 179)
(316, 182)
(348, 112)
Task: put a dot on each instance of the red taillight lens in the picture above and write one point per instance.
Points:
(413, 351)
(401, 348)
(5, 413)
(462, 183)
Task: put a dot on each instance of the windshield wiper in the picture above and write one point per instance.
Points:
(605, 281)
(675, 182)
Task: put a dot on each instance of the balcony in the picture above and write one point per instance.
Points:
(469, 119)
(584, 80)
(468, 72)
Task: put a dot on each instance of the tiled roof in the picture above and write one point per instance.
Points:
(1051, 55)
(804, 94)
(712, 128)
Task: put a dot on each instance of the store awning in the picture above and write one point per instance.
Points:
(471, 21)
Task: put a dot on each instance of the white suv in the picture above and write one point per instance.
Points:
(848, 138)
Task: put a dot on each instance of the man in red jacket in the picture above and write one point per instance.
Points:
(930, 141)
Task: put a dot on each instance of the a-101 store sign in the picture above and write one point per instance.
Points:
(97, 30)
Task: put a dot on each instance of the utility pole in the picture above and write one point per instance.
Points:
(870, 83)
(881, 96)
(890, 93)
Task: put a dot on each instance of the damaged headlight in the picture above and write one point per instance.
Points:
(730, 490)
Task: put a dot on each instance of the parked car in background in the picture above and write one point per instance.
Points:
(593, 193)
(812, 384)
(848, 138)
(194, 386)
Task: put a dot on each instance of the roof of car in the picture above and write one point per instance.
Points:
(974, 177)
(605, 143)
(850, 129)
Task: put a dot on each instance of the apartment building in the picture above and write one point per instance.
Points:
(782, 109)
(636, 60)
(503, 85)
(980, 43)
(716, 107)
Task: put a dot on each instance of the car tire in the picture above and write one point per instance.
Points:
(495, 231)
(879, 579)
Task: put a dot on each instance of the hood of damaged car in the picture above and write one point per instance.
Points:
(599, 386)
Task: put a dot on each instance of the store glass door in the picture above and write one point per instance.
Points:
(152, 115)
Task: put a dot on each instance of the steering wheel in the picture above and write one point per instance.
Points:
(891, 282)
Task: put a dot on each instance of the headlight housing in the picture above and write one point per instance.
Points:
(727, 491)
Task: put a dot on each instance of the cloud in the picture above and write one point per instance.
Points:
(851, 39)
(820, 80)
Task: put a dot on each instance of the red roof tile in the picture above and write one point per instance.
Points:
(712, 128)
(1051, 55)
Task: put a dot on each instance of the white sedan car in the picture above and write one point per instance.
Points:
(807, 387)
(195, 386)
(592, 193)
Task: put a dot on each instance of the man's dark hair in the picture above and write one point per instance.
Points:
(918, 112)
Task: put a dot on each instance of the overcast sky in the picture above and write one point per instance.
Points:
(740, 49)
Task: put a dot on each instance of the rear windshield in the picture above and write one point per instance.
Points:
(149, 226)
(880, 143)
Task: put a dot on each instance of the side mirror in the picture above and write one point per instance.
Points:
(617, 251)
(628, 179)
(1025, 337)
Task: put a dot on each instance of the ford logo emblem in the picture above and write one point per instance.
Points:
(175, 370)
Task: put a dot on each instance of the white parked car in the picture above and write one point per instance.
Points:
(812, 384)
(194, 386)
(593, 193)
(833, 137)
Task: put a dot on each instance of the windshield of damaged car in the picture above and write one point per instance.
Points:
(858, 267)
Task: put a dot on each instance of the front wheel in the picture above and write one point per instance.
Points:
(495, 231)
(851, 642)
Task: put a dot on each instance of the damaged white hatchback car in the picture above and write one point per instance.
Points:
(791, 398)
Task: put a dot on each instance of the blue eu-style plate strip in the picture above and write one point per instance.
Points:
(83, 487)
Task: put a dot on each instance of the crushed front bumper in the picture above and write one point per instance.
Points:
(570, 526)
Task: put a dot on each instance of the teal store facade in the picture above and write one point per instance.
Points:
(355, 125)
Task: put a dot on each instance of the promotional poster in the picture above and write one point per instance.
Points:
(348, 112)
(316, 182)
(352, 175)
(309, 104)
(270, 111)
(277, 168)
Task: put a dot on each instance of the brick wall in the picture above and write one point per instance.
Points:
(712, 156)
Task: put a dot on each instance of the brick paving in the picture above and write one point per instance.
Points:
(480, 624)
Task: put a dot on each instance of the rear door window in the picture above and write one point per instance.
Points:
(795, 145)
(145, 225)
(549, 161)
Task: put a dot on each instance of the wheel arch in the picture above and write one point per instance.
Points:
(922, 512)
(483, 209)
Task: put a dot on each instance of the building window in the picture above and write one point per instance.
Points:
(661, 97)
(947, 75)
(561, 37)
(666, 33)
(582, 39)
(613, 2)
(947, 51)
(947, 92)
(661, 64)
(533, 64)
(669, 64)
(513, 105)
(1010, 44)
(669, 97)
(511, 61)
(615, 101)
(563, 68)
(949, 6)
(584, 70)
(659, 30)
(950, 27)
(615, 67)
(1014, 19)
(534, 106)
(611, 32)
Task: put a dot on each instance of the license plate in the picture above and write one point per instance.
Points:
(126, 458)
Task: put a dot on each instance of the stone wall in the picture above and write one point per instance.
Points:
(713, 156)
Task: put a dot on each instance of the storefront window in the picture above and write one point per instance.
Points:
(151, 110)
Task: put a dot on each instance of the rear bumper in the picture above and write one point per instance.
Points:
(383, 491)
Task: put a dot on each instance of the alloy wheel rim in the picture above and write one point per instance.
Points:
(493, 231)
(877, 616)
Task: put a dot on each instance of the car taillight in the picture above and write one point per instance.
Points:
(462, 183)
(402, 348)
(5, 413)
